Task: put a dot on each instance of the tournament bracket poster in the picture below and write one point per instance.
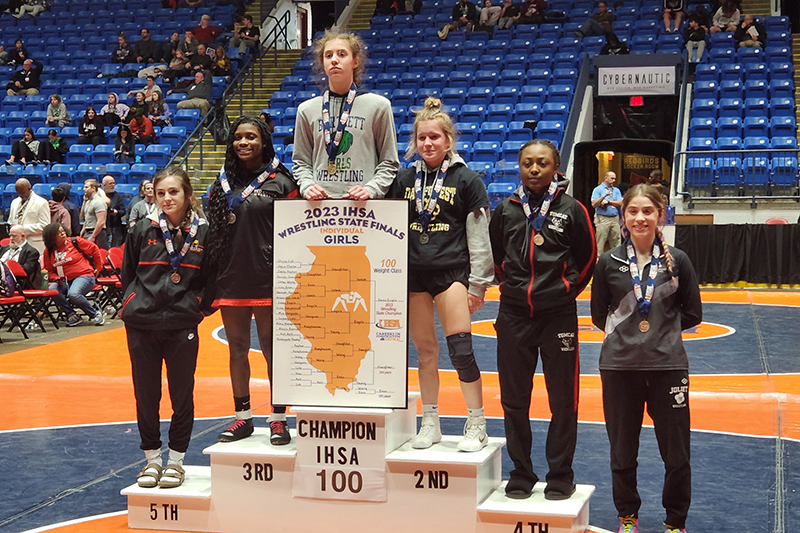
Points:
(340, 325)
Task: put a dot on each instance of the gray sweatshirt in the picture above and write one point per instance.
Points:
(368, 158)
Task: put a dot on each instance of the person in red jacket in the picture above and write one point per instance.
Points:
(142, 129)
(206, 33)
(544, 253)
(71, 272)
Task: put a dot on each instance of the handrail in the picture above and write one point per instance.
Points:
(236, 86)
(679, 128)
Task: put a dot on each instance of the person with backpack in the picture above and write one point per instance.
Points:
(72, 265)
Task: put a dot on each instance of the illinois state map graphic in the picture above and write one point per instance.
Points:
(330, 307)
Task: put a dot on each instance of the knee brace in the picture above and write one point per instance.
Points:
(460, 348)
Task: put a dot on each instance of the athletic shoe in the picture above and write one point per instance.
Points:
(279, 433)
(240, 429)
(429, 433)
(475, 438)
(74, 320)
(98, 318)
(628, 524)
(675, 530)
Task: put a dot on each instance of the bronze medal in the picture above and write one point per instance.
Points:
(331, 168)
(424, 238)
(231, 218)
(538, 240)
(644, 326)
(175, 277)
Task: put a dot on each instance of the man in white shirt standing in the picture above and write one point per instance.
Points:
(31, 211)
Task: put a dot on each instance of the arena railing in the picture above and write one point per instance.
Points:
(236, 87)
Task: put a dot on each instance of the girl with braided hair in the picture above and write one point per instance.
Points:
(645, 293)
(241, 222)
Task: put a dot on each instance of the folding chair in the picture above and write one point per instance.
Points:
(37, 301)
(111, 284)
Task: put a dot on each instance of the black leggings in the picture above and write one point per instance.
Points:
(94, 139)
(48, 153)
(20, 150)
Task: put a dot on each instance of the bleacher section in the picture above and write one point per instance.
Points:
(74, 43)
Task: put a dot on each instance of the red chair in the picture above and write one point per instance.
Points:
(110, 283)
(37, 301)
(5, 241)
(12, 308)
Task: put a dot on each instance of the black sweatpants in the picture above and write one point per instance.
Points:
(520, 342)
(178, 348)
(666, 394)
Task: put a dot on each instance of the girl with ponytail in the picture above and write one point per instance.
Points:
(645, 293)
(450, 266)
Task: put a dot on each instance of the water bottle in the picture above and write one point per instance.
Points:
(670, 217)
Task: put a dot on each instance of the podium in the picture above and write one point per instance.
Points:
(351, 470)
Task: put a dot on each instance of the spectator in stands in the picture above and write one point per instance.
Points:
(116, 211)
(146, 49)
(178, 67)
(222, 65)
(25, 81)
(19, 54)
(142, 129)
(71, 272)
(31, 211)
(201, 60)
(673, 10)
(694, 37)
(24, 150)
(198, 94)
(158, 111)
(726, 18)
(606, 201)
(94, 213)
(508, 14)
(138, 105)
(58, 213)
(169, 47)
(205, 32)
(246, 35)
(145, 207)
(3, 55)
(23, 253)
(149, 89)
(124, 147)
(386, 8)
(613, 46)
(597, 24)
(138, 198)
(702, 16)
(465, 15)
(188, 44)
(11, 6)
(57, 114)
(90, 128)
(32, 8)
(489, 14)
(114, 111)
(53, 149)
(532, 12)
(750, 33)
(268, 121)
(123, 53)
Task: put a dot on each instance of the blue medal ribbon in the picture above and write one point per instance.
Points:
(425, 211)
(174, 258)
(536, 217)
(643, 298)
(236, 201)
(332, 145)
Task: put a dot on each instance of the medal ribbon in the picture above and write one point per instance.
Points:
(643, 300)
(425, 212)
(175, 259)
(344, 116)
(536, 217)
(236, 201)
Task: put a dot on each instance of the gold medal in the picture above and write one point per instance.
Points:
(231, 218)
(331, 168)
(644, 326)
(175, 277)
(538, 240)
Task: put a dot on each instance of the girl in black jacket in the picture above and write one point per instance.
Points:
(124, 147)
(165, 276)
(644, 293)
(90, 128)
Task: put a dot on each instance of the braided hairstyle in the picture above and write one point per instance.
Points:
(217, 203)
(653, 194)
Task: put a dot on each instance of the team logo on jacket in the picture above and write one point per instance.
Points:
(557, 221)
(196, 247)
(567, 341)
(623, 268)
(152, 242)
(679, 395)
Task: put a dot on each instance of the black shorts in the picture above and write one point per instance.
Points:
(436, 281)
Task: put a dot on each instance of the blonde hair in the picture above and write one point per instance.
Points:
(433, 111)
(652, 193)
(354, 42)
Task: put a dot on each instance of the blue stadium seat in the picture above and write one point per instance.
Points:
(756, 107)
(103, 154)
(61, 172)
(756, 71)
(157, 154)
(411, 80)
(731, 89)
(781, 107)
(499, 191)
(721, 55)
(455, 96)
(473, 113)
(85, 171)
(730, 107)
(17, 119)
(699, 175)
(480, 95)
(500, 112)
(282, 99)
(527, 111)
(750, 55)
(701, 143)
(79, 153)
(704, 108)
(484, 170)
(403, 97)
(555, 111)
(560, 93)
(13, 103)
(35, 102)
(777, 54)
(756, 170)
(706, 90)
(510, 151)
(188, 118)
(781, 71)
(756, 88)
(702, 127)
(506, 95)
(493, 131)
(781, 89)
(461, 79)
(784, 171)
(33, 173)
(518, 132)
(468, 131)
(756, 143)
(784, 126)
(173, 136)
(533, 93)
(550, 129)
(783, 143)
(119, 171)
(486, 151)
(756, 126)
(729, 127)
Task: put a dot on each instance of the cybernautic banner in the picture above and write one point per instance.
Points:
(636, 81)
